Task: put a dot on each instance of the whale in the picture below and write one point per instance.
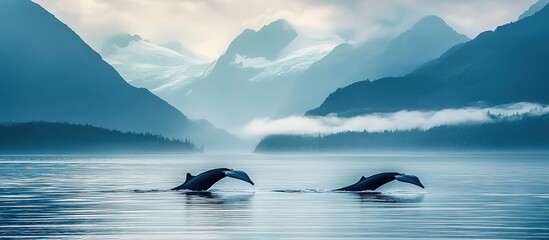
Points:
(207, 179)
(375, 181)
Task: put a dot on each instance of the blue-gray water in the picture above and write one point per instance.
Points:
(481, 196)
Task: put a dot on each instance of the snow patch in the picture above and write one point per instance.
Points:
(157, 68)
(298, 56)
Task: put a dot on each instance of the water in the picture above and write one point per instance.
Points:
(474, 195)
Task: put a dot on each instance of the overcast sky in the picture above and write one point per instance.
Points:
(207, 26)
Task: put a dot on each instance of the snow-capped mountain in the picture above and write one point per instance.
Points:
(159, 68)
(256, 64)
(273, 71)
(254, 75)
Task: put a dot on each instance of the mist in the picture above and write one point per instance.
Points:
(378, 122)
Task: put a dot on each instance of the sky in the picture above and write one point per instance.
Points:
(207, 27)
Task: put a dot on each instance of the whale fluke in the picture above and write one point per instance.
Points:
(205, 180)
(375, 181)
(241, 175)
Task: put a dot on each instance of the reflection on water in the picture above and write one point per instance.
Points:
(481, 196)
(208, 197)
(368, 196)
(390, 198)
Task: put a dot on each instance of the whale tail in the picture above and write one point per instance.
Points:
(241, 175)
(377, 180)
(409, 179)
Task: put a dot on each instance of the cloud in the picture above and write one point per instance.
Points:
(207, 26)
(204, 26)
(402, 120)
(374, 18)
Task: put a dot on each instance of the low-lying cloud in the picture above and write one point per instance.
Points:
(402, 120)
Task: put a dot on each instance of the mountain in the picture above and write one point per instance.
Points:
(47, 73)
(534, 9)
(508, 65)
(43, 137)
(427, 40)
(347, 63)
(163, 69)
(275, 71)
(252, 77)
(268, 42)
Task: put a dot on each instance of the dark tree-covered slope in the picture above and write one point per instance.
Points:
(526, 133)
(43, 137)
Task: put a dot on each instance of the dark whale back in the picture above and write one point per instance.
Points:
(203, 181)
(372, 182)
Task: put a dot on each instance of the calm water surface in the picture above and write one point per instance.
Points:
(480, 196)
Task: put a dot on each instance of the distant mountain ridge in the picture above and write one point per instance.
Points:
(61, 79)
(274, 71)
(508, 65)
(534, 9)
(346, 64)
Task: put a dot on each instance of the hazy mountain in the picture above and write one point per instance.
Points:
(508, 65)
(534, 9)
(426, 40)
(252, 78)
(161, 69)
(47, 73)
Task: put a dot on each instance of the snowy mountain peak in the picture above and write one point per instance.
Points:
(278, 25)
(431, 23)
(266, 43)
(432, 32)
